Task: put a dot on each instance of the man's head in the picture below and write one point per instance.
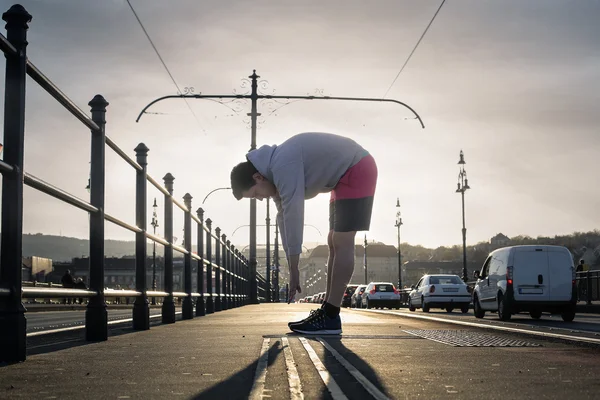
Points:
(247, 182)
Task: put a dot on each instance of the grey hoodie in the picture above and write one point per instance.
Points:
(300, 168)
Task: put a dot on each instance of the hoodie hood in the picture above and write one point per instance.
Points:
(261, 159)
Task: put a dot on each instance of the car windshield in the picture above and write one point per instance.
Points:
(445, 280)
(384, 288)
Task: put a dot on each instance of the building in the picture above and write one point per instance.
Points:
(36, 268)
(500, 240)
(382, 265)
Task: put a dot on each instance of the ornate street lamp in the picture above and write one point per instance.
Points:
(398, 225)
(461, 187)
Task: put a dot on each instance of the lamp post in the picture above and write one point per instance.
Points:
(398, 225)
(365, 261)
(461, 187)
(154, 224)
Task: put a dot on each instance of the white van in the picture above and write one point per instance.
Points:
(526, 278)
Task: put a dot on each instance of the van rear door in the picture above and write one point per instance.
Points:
(560, 281)
(531, 273)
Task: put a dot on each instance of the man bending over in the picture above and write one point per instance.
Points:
(300, 168)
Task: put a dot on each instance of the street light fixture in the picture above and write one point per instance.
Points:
(154, 224)
(398, 225)
(461, 187)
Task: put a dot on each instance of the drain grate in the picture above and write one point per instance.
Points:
(462, 338)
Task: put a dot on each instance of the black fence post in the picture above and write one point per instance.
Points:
(141, 309)
(187, 308)
(230, 297)
(234, 277)
(218, 269)
(224, 270)
(247, 284)
(588, 281)
(168, 307)
(200, 310)
(210, 303)
(13, 324)
(96, 316)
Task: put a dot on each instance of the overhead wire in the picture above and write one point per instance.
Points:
(164, 64)
(414, 49)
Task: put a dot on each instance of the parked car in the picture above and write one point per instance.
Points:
(314, 298)
(526, 278)
(321, 298)
(440, 291)
(381, 294)
(346, 300)
(355, 300)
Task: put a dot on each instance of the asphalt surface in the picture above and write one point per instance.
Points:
(378, 356)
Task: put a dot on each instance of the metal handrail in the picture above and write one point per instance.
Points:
(60, 194)
(5, 168)
(36, 292)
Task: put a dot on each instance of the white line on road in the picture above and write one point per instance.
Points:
(328, 380)
(261, 372)
(493, 327)
(376, 393)
(292, 372)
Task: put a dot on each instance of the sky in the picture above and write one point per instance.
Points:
(515, 84)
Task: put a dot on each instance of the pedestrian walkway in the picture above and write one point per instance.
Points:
(249, 353)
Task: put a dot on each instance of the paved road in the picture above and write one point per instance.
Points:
(51, 320)
(248, 352)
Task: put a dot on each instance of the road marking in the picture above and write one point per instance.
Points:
(292, 372)
(261, 372)
(376, 393)
(493, 327)
(328, 380)
(74, 328)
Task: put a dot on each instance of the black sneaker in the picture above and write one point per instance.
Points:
(303, 320)
(319, 323)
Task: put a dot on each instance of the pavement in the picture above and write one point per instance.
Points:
(248, 352)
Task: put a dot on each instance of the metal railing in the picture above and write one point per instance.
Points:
(230, 268)
(588, 286)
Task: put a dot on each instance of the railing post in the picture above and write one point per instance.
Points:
(187, 308)
(96, 316)
(268, 253)
(200, 310)
(248, 284)
(224, 270)
(210, 303)
(234, 279)
(588, 281)
(276, 263)
(230, 297)
(168, 307)
(218, 269)
(13, 324)
(141, 309)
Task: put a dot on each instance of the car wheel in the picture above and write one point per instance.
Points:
(424, 305)
(410, 306)
(535, 314)
(568, 315)
(449, 309)
(368, 304)
(464, 309)
(503, 308)
(477, 310)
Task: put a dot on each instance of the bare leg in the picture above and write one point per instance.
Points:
(329, 264)
(343, 266)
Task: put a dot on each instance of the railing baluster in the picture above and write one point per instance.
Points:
(233, 288)
(230, 298)
(13, 324)
(200, 310)
(141, 309)
(96, 316)
(218, 269)
(168, 308)
(210, 301)
(224, 270)
(187, 308)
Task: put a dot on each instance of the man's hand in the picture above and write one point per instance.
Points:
(294, 277)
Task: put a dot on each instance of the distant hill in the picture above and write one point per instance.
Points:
(60, 248)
